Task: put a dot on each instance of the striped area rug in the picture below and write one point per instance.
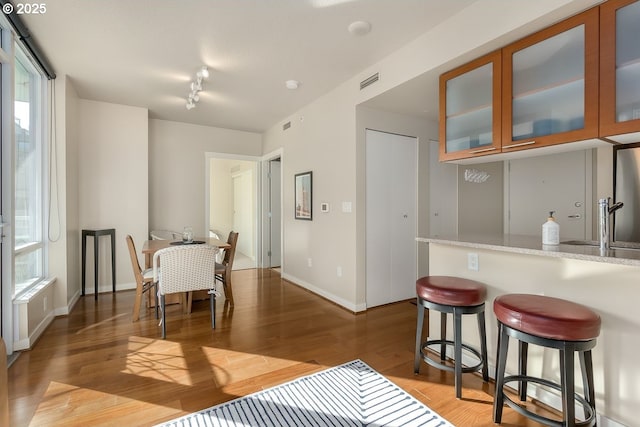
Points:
(352, 394)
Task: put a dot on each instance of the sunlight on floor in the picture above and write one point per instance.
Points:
(156, 359)
(63, 402)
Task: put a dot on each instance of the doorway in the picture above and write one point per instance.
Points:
(559, 183)
(232, 204)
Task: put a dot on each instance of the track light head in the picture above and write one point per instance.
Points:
(196, 86)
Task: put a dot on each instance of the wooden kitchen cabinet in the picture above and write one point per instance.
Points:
(620, 70)
(550, 85)
(544, 93)
(470, 110)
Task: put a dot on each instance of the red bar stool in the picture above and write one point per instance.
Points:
(456, 296)
(554, 323)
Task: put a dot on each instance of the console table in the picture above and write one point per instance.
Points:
(96, 235)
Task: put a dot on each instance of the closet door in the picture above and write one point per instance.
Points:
(391, 175)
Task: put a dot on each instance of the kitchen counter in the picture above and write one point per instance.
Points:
(609, 283)
(532, 245)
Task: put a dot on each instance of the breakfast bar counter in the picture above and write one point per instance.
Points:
(532, 245)
(607, 282)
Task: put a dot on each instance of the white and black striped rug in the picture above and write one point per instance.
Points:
(352, 394)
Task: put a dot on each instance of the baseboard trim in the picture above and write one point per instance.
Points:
(90, 290)
(356, 308)
(27, 343)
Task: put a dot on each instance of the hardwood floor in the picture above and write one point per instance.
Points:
(97, 368)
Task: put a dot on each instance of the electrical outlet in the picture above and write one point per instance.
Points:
(472, 261)
(309, 262)
(44, 304)
(339, 271)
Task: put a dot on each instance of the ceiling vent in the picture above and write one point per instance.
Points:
(286, 126)
(369, 81)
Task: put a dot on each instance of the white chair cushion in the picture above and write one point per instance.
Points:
(147, 274)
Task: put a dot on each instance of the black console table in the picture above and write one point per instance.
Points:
(96, 234)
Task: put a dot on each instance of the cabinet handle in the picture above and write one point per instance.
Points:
(521, 144)
(577, 216)
(484, 150)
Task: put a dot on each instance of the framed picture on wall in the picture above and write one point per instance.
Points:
(303, 192)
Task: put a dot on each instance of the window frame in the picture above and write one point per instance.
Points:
(40, 114)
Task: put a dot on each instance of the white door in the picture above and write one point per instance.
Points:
(391, 174)
(274, 209)
(557, 183)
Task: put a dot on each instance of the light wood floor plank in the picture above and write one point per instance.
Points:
(95, 367)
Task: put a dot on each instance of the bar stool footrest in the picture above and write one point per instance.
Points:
(516, 406)
(440, 365)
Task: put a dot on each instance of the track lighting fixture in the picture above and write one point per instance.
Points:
(196, 87)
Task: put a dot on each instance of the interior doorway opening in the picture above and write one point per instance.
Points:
(233, 205)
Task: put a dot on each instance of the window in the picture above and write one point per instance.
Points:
(29, 154)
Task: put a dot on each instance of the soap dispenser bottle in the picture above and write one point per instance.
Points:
(551, 231)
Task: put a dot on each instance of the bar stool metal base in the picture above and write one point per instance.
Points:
(457, 368)
(567, 387)
(433, 362)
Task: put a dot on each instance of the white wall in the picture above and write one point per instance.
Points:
(112, 183)
(320, 139)
(64, 252)
(480, 205)
(72, 215)
(323, 138)
(177, 163)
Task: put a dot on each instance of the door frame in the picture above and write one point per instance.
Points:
(266, 236)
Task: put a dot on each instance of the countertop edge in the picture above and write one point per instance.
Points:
(616, 256)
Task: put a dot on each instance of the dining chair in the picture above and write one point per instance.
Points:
(223, 270)
(144, 280)
(165, 235)
(185, 269)
(220, 250)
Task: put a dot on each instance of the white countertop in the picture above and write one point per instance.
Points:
(532, 245)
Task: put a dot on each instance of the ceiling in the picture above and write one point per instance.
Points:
(145, 53)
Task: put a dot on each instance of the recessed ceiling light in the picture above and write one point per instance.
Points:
(292, 84)
(359, 28)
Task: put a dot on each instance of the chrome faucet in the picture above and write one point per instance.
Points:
(604, 223)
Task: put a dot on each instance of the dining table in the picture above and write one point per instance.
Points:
(150, 247)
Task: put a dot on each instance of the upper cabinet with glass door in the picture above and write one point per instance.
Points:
(550, 86)
(470, 109)
(620, 70)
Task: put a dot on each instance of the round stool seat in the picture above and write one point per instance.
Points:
(454, 291)
(547, 317)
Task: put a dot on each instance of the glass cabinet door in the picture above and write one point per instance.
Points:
(470, 109)
(550, 93)
(620, 69)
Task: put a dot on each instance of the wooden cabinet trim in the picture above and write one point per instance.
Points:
(590, 20)
(495, 58)
(608, 124)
